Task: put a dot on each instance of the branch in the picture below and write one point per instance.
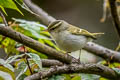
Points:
(3, 17)
(76, 68)
(8, 32)
(49, 62)
(45, 62)
(92, 47)
(115, 16)
(43, 16)
(103, 52)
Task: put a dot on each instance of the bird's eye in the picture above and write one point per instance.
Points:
(53, 28)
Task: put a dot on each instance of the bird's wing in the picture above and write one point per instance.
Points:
(77, 31)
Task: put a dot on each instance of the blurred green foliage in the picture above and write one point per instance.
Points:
(8, 4)
(14, 49)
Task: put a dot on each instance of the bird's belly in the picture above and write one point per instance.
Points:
(71, 43)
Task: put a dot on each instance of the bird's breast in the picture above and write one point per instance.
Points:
(69, 42)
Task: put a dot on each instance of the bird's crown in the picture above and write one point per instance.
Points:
(54, 25)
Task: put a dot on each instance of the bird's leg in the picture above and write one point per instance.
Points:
(79, 56)
(68, 53)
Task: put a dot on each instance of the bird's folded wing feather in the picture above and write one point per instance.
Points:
(77, 31)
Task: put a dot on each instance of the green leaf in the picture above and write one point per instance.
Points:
(45, 33)
(3, 9)
(116, 64)
(103, 78)
(36, 59)
(22, 77)
(50, 43)
(9, 4)
(2, 62)
(32, 27)
(38, 53)
(56, 77)
(12, 58)
(76, 78)
(89, 77)
(1, 78)
(19, 1)
(1, 20)
(117, 70)
(4, 70)
(10, 46)
(67, 76)
(41, 41)
(22, 68)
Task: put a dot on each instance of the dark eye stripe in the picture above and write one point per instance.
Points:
(54, 26)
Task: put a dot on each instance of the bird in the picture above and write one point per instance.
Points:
(68, 37)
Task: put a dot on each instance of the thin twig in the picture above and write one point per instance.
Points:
(3, 17)
(115, 16)
(43, 16)
(26, 58)
(27, 62)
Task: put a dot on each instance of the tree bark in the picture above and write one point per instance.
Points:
(76, 68)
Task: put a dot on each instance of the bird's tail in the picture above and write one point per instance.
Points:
(96, 35)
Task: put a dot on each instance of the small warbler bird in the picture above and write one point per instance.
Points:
(68, 37)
